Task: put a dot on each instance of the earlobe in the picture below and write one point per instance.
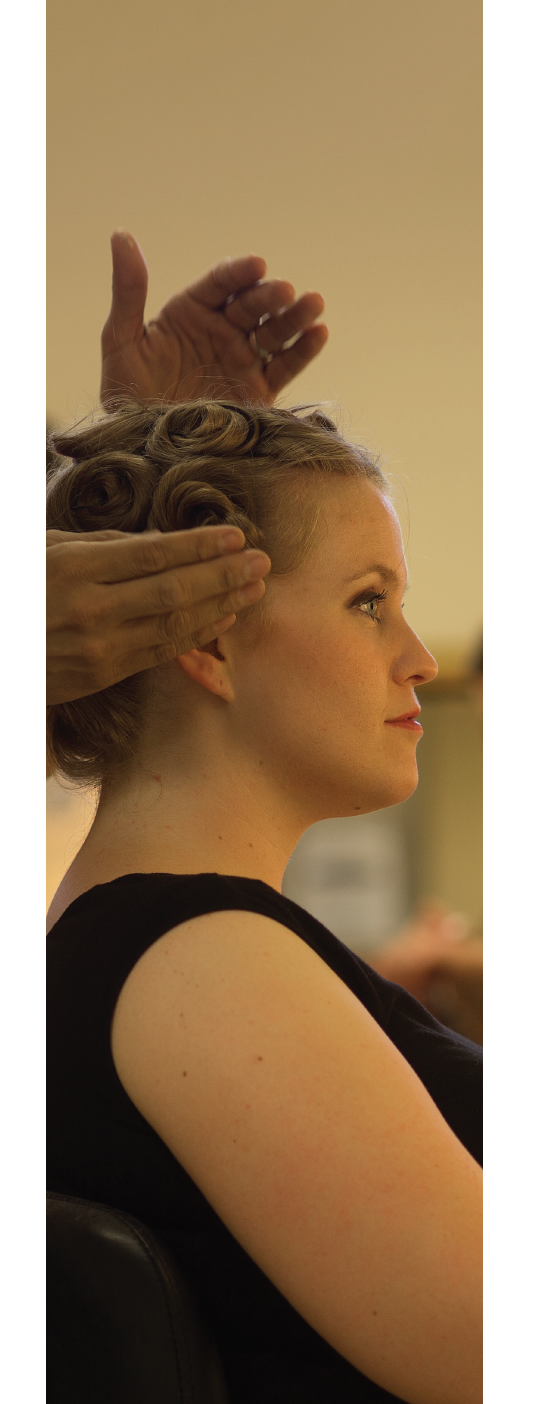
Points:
(209, 669)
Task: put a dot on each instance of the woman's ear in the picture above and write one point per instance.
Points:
(208, 667)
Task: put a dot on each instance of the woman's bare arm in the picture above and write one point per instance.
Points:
(315, 1142)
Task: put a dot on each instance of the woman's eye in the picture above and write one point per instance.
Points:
(370, 604)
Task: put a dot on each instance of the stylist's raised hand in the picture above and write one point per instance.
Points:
(205, 340)
(119, 602)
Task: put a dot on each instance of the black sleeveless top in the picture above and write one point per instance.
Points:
(101, 1148)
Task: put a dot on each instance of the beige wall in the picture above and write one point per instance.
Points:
(443, 819)
(342, 141)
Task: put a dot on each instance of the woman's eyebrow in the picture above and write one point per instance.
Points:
(388, 576)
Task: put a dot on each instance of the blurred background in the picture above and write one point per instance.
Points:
(342, 141)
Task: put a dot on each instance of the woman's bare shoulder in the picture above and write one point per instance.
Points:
(315, 1142)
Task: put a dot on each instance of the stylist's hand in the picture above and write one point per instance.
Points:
(201, 342)
(119, 602)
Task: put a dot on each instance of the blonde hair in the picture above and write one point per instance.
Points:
(200, 463)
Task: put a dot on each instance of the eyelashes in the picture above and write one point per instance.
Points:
(368, 602)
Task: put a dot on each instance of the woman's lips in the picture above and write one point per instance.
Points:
(408, 722)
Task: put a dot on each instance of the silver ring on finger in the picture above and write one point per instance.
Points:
(255, 345)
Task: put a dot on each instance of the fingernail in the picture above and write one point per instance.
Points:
(256, 566)
(231, 541)
(249, 593)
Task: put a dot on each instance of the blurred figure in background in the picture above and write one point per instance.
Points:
(438, 958)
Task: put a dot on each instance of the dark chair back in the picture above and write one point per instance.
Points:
(123, 1327)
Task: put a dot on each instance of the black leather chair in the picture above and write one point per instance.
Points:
(123, 1327)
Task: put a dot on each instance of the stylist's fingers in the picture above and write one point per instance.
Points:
(147, 553)
(183, 628)
(149, 654)
(63, 538)
(265, 300)
(153, 654)
(293, 319)
(225, 581)
(282, 369)
(226, 279)
(143, 643)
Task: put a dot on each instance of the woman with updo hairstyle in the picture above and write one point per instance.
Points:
(301, 1132)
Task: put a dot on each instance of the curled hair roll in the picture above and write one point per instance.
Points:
(208, 426)
(126, 432)
(112, 490)
(180, 503)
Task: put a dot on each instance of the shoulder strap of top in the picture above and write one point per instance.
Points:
(114, 923)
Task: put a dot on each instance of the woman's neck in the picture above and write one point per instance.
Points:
(190, 819)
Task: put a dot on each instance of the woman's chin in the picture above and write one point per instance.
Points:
(393, 790)
(405, 785)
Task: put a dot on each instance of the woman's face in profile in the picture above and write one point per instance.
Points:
(323, 692)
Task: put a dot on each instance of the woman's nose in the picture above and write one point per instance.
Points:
(416, 664)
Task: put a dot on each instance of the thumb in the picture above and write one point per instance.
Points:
(129, 288)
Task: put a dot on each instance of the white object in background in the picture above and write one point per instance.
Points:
(351, 874)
